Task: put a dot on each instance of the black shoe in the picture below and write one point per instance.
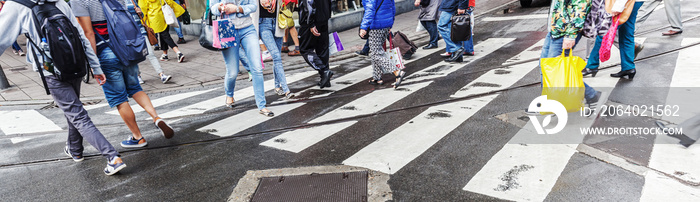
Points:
(407, 56)
(455, 59)
(637, 48)
(429, 46)
(629, 73)
(360, 53)
(587, 71)
(594, 99)
(181, 41)
(456, 56)
(326, 79)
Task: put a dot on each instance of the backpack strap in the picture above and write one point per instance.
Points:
(36, 49)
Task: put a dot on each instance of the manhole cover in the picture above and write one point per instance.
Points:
(351, 186)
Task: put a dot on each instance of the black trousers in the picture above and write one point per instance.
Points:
(166, 40)
(314, 49)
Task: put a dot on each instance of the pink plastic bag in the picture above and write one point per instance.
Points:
(608, 40)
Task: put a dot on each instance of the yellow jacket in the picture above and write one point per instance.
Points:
(154, 14)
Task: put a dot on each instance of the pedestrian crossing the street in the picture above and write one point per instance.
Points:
(539, 166)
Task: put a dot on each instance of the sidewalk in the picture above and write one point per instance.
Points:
(201, 67)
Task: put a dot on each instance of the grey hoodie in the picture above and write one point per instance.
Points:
(16, 19)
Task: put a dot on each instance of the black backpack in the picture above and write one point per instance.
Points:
(65, 45)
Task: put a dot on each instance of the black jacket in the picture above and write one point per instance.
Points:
(314, 12)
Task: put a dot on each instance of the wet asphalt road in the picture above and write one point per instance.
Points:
(199, 166)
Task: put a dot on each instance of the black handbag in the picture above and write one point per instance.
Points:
(424, 3)
(461, 28)
(206, 38)
(185, 18)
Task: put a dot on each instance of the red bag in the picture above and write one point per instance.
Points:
(608, 40)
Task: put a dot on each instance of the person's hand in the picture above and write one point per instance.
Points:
(416, 3)
(615, 13)
(265, 3)
(138, 10)
(461, 11)
(568, 44)
(101, 79)
(363, 33)
(315, 31)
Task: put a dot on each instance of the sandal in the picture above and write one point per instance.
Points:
(267, 113)
(288, 95)
(279, 92)
(399, 78)
(230, 105)
(376, 82)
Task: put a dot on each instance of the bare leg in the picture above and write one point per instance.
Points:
(295, 37)
(145, 102)
(129, 118)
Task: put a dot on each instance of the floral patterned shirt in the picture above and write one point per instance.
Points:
(567, 19)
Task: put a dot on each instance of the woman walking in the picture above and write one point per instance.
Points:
(271, 34)
(154, 14)
(238, 11)
(625, 33)
(377, 22)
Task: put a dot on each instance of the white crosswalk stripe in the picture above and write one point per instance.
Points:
(376, 101)
(25, 121)
(165, 100)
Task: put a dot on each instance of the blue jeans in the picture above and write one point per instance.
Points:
(625, 33)
(553, 48)
(16, 47)
(431, 27)
(179, 29)
(444, 27)
(248, 39)
(274, 45)
(122, 81)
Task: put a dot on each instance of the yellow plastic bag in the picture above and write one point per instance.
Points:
(562, 80)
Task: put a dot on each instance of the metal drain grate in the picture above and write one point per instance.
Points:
(351, 187)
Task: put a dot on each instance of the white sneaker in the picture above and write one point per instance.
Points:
(114, 165)
(164, 57)
(141, 80)
(267, 56)
(164, 78)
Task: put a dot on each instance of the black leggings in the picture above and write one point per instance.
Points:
(166, 40)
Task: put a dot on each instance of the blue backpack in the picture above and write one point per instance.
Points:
(125, 37)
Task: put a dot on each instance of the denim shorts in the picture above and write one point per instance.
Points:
(122, 81)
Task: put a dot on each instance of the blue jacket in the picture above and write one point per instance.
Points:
(383, 18)
(451, 6)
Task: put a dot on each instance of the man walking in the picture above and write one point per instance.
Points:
(122, 81)
(313, 37)
(17, 19)
(673, 13)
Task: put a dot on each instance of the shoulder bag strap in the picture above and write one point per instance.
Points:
(36, 49)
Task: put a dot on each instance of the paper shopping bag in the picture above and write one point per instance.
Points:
(224, 34)
(395, 57)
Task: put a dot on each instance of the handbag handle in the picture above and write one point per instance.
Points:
(391, 40)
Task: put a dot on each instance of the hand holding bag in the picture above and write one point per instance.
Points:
(461, 28)
(224, 33)
(562, 80)
(149, 31)
(608, 40)
(169, 15)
